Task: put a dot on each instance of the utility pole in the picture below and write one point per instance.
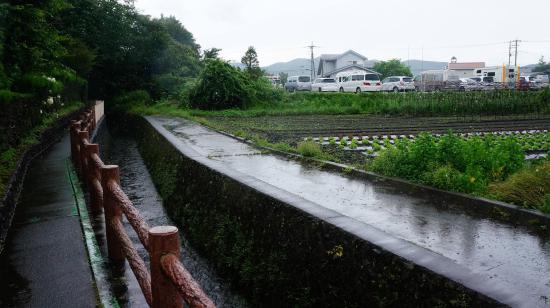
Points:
(516, 43)
(312, 61)
(509, 53)
(516, 69)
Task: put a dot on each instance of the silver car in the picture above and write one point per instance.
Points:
(398, 84)
(469, 84)
(324, 85)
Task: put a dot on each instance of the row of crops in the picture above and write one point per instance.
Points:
(533, 140)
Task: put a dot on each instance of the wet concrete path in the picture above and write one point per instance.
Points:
(45, 263)
(119, 149)
(512, 258)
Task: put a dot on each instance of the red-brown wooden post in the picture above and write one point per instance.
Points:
(93, 117)
(72, 135)
(83, 134)
(110, 176)
(94, 175)
(163, 240)
(86, 121)
(76, 145)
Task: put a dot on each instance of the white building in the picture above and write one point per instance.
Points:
(331, 64)
(464, 69)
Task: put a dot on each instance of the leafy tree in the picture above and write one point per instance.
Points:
(393, 67)
(178, 32)
(219, 86)
(542, 66)
(133, 51)
(252, 65)
(212, 53)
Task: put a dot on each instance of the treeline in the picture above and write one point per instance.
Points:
(54, 53)
(57, 51)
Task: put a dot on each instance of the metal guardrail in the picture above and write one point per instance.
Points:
(168, 283)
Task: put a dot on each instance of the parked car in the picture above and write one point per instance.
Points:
(358, 81)
(469, 84)
(298, 83)
(487, 83)
(538, 81)
(324, 85)
(398, 84)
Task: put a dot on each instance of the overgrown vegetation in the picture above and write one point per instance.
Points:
(309, 149)
(9, 158)
(529, 188)
(489, 166)
(452, 163)
(458, 104)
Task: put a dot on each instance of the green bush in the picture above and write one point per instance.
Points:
(452, 163)
(220, 86)
(309, 148)
(529, 187)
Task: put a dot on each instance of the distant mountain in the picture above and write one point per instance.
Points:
(418, 66)
(237, 65)
(300, 66)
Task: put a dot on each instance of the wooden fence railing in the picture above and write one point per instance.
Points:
(168, 283)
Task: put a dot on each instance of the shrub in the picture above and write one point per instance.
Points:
(220, 86)
(309, 149)
(529, 187)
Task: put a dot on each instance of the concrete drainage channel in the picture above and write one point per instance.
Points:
(287, 233)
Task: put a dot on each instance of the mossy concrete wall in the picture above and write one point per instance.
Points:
(279, 254)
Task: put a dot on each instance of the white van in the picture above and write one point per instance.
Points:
(298, 83)
(358, 81)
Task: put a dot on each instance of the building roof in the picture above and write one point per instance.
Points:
(332, 56)
(353, 52)
(465, 65)
(358, 66)
(329, 57)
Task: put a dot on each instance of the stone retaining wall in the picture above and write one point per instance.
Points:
(280, 250)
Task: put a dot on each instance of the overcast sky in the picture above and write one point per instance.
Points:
(471, 30)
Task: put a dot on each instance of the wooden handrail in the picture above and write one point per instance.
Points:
(132, 214)
(169, 284)
(184, 282)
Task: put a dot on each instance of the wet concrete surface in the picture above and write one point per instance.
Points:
(119, 149)
(512, 257)
(45, 263)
